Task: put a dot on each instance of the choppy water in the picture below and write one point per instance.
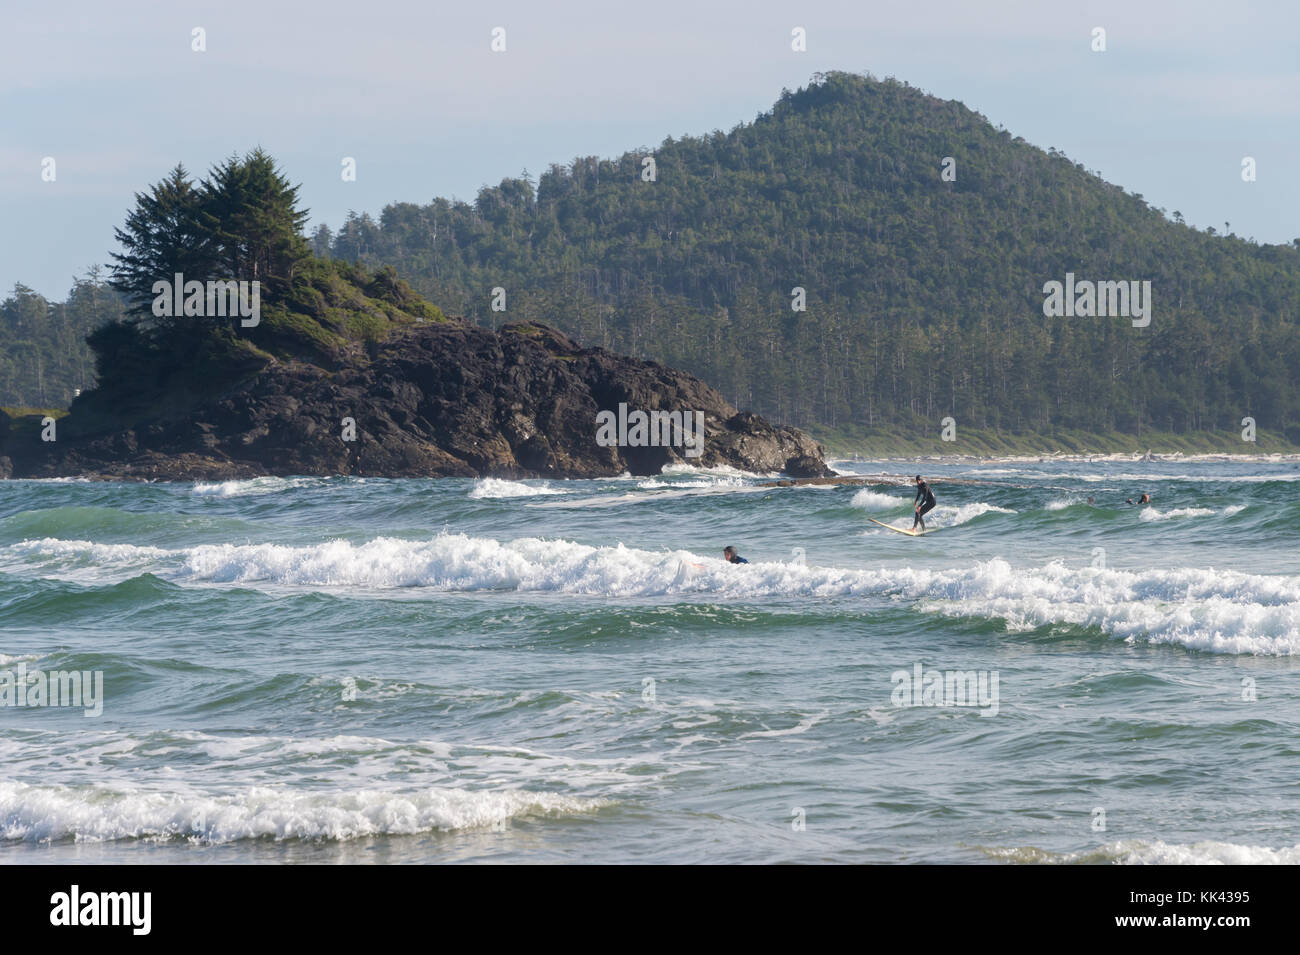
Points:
(453, 670)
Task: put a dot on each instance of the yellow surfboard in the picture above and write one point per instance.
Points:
(901, 530)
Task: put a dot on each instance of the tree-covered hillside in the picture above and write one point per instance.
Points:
(241, 222)
(242, 354)
(44, 358)
(924, 296)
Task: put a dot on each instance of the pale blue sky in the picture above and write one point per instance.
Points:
(411, 89)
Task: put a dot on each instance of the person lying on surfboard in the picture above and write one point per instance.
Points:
(922, 504)
(731, 557)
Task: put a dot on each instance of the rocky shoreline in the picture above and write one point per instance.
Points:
(446, 399)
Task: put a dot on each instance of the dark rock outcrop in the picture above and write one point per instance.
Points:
(446, 399)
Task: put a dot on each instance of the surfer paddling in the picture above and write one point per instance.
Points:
(731, 557)
(922, 504)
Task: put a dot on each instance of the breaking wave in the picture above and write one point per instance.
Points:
(495, 487)
(99, 814)
(1219, 611)
(1138, 852)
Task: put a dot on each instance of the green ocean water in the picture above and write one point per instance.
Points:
(358, 670)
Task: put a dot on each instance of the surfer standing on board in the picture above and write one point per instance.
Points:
(922, 504)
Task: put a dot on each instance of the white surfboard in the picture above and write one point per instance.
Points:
(901, 530)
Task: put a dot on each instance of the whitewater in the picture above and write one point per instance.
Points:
(350, 670)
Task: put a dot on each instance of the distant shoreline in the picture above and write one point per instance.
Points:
(977, 444)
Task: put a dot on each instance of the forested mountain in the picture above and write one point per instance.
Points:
(44, 358)
(924, 296)
(924, 293)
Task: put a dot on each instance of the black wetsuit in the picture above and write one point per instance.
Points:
(737, 559)
(926, 498)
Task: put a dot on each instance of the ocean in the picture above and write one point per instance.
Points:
(366, 670)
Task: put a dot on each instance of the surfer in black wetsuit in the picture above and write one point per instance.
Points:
(923, 503)
(731, 557)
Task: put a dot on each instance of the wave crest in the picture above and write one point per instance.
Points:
(1199, 608)
(96, 814)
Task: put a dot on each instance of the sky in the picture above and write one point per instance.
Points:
(116, 95)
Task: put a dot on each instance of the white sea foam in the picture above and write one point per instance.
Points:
(1202, 853)
(1152, 514)
(951, 515)
(1218, 611)
(1139, 852)
(1203, 609)
(875, 501)
(53, 549)
(654, 484)
(222, 489)
(803, 726)
(720, 470)
(495, 487)
(252, 486)
(945, 515)
(652, 491)
(1154, 477)
(54, 480)
(99, 814)
(6, 659)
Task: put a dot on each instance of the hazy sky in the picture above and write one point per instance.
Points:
(115, 94)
